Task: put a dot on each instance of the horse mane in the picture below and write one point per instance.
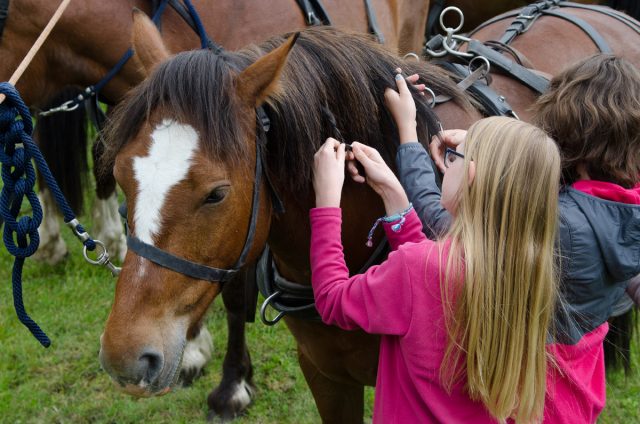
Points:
(327, 70)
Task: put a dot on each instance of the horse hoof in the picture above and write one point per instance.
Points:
(226, 405)
(197, 353)
(52, 250)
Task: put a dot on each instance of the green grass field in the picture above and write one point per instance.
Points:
(64, 384)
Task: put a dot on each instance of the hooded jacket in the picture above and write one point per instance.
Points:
(599, 248)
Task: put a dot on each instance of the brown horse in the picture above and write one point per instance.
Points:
(92, 36)
(477, 12)
(88, 41)
(187, 137)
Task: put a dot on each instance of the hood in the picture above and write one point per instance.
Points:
(619, 243)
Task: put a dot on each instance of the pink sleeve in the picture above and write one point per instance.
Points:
(378, 301)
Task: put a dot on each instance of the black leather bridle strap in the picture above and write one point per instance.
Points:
(4, 13)
(177, 264)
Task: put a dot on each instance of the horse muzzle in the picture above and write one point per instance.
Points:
(149, 372)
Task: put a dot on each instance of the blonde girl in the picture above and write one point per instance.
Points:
(463, 320)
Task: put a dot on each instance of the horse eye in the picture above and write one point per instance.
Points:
(217, 195)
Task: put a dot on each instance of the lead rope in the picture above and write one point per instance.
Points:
(18, 176)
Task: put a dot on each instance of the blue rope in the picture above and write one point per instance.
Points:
(20, 236)
(205, 41)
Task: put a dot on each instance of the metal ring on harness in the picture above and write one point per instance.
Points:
(444, 12)
(263, 310)
(451, 49)
(433, 97)
(411, 55)
(485, 62)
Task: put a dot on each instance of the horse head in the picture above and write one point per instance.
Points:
(186, 163)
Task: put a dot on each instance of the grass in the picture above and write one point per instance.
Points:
(64, 384)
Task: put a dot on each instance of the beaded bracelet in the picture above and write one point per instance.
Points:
(400, 217)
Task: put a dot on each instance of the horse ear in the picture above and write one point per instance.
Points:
(147, 41)
(260, 79)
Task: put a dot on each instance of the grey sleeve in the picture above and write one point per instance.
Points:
(417, 176)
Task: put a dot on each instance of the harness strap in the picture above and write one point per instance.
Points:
(314, 12)
(374, 28)
(525, 18)
(4, 13)
(595, 36)
(492, 103)
(522, 74)
(289, 298)
(436, 8)
(615, 14)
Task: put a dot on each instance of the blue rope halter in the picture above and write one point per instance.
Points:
(18, 175)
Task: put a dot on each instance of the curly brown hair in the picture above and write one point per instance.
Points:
(592, 110)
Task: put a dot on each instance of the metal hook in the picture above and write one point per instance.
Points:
(263, 310)
(102, 260)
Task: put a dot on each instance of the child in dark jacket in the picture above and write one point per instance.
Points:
(463, 320)
(592, 110)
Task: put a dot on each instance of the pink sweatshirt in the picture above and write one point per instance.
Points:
(399, 299)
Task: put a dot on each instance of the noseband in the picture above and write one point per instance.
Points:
(203, 272)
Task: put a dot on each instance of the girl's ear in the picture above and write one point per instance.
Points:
(472, 172)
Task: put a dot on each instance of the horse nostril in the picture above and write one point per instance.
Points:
(150, 365)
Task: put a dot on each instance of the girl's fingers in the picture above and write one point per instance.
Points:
(413, 78)
(341, 152)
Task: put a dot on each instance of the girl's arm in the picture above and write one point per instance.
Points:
(378, 301)
(417, 176)
(415, 168)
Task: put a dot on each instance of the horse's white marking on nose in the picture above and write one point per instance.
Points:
(172, 148)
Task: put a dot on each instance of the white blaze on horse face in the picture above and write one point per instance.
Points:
(172, 148)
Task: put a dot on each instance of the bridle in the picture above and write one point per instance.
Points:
(203, 272)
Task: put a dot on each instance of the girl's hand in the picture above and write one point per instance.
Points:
(403, 109)
(328, 173)
(450, 138)
(378, 175)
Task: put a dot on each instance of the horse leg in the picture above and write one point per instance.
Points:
(52, 248)
(107, 225)
(336, 402)
(235, 391)
(197, 353)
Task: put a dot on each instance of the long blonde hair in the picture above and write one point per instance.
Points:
(502, 241)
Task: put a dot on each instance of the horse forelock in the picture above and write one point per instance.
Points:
(326, 69)
(194, 88)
